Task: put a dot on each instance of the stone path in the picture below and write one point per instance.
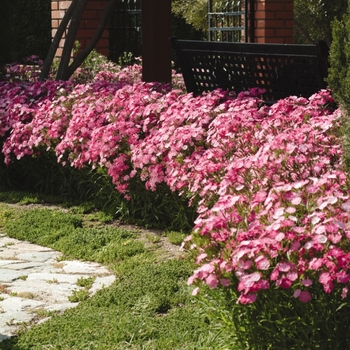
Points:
(34, 281)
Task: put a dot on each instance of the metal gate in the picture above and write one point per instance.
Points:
(125, 29)
(230, 20)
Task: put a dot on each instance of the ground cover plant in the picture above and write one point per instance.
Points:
(149, 306)
(271, 236)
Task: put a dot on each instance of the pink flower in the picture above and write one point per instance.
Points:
(326, 280)
(195, 291)
(212, 281)
(225, 282)
(303, 296)
(246, 299)
(306, 282)
(343, 277)
(262, 263)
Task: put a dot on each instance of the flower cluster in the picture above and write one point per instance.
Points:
(29, 70)
(272, 197)
(282, 211)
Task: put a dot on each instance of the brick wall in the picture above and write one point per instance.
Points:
(274, 21)
(88, 23)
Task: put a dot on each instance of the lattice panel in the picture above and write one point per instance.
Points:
(280, 76)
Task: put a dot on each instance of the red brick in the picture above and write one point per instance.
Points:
(259, 32)
(90, 23)
(54, 5)
(274, 24)
(259, 24)
(103, 42)
(289, 6)
(96, 5)
(289, 24)
(54, 23)
(85, 33)
(90, 14)
(275, 6)
(284, 15)
(284, 33)
(274, 40)
(102, 50)
(260, 6)
(63, 5)
(260, 15)
(58, 14)
(59, 52)
(270, 14)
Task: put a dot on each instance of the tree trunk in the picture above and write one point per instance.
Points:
(56, 40)
(62, 73)
(81, 56)
(72, 18)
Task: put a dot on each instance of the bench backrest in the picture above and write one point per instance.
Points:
(280, 69)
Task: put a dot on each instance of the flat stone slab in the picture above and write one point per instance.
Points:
(13, 244)
(32, 278)
(54, 278)
(36, 256)
(18, 265)
(101, 282)
(81, 267)
(7, 276)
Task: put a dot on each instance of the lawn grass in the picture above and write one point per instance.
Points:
(148, 307)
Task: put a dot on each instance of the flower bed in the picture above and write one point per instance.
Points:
(272, 196)
(268, 183)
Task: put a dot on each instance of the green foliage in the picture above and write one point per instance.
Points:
(149, 306)
(42, 226)
(66, 233)
(44, 176)
(119, 251)
(78, 295)
(85, 282)
(278, 321)
(175, 237)
(126, 59)
(314, 19)
(194, 12)
(339, 75)
(93, 64)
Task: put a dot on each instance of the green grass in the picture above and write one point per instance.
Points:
(175, 237)
(148, 307)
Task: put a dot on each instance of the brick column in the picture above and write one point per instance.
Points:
(58, 9)
(87, 26)
(274, 21)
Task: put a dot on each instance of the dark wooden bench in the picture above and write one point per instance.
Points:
(280, 69)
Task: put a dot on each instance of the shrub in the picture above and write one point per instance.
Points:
(339, 75)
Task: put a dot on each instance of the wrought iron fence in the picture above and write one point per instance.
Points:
(230, 21)
(125, 29)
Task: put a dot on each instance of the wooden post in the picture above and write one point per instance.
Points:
(156, 47)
